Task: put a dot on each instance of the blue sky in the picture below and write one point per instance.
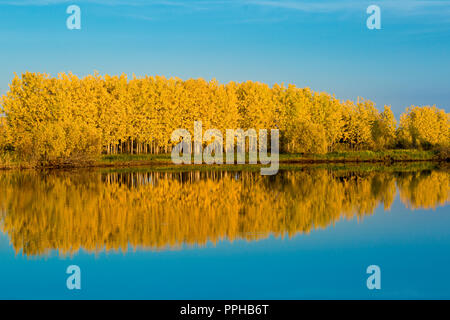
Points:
(324, 45)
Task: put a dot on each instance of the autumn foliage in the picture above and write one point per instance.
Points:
(68, 118)
(98, 211)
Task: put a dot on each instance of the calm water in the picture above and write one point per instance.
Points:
(304, 233)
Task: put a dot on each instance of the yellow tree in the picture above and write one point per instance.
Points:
(424, 127)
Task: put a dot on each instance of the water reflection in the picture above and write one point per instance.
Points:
(94, 210)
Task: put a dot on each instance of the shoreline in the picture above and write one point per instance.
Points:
(164, 160)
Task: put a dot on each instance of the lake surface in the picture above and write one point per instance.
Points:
(306, 233)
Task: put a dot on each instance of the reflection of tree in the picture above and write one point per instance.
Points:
(424, 189)
(158, 210)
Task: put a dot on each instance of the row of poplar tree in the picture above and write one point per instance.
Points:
(66, 116)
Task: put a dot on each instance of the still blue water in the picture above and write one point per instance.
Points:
(412, 248)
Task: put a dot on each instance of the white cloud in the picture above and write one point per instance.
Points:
(345, 5)
(308, 6)
(101, 2)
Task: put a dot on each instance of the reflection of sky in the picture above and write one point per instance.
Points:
(411, 247)
(321, 44)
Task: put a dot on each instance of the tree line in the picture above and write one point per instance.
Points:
(66, 117)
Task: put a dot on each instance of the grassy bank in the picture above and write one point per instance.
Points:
(348, 156)
(130, 160)
(337, 166)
